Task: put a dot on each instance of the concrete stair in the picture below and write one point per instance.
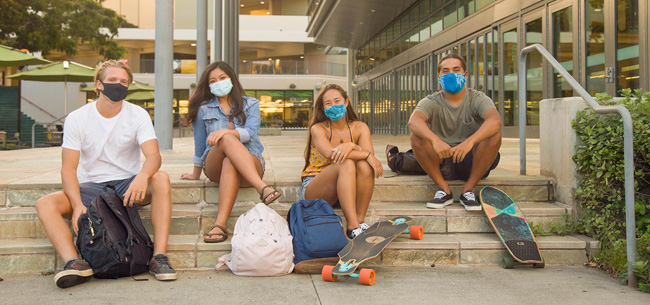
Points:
(452, 235)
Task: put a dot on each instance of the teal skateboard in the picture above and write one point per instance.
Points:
(512, 228)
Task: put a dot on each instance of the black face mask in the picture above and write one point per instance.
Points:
(115, 92)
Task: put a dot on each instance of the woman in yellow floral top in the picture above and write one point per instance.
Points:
(339, 159)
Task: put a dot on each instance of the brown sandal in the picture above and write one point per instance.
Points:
(225, 235)
(272, 196)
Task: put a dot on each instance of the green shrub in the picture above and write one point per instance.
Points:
(600, 177)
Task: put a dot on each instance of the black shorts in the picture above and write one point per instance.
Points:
(461, 170)
(90, 190)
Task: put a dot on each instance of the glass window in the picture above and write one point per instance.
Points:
(414, 16)
(534, 85)
(389, 34)
(627, 45)
(489, 60)
(425, 9)
(436, 23)
(414, 37)
(510, 77)
(405, 42)
(436, 5)
(424, 31)
(297, 108)
(562, 50)
(495, 66)
(482, 3)
(595, 46)
(480, 61)
(465, 8)
(450, 14)
(471, 65)
(405, 24)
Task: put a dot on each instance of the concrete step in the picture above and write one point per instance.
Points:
(393, 189)
(25, 255)
(23, 222)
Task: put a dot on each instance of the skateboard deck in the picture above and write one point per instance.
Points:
(314, 266)
(369, 244)
(511, 226)
(366, 246)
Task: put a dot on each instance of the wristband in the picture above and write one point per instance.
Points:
(359, 147)
(368, 156)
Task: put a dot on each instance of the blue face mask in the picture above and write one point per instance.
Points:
(335, 112)
(221, 88)
(452, 82)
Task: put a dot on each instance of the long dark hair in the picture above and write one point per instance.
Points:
(319, 115)
(202, 94)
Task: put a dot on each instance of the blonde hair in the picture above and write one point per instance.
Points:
(100, 72)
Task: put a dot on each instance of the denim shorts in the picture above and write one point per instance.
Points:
(305, 182)
(90, 190)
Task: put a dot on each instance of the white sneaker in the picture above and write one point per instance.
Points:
(364, 226)
(354, 233)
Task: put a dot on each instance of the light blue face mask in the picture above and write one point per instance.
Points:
(221, 88)
(335, 112)
(452, 82)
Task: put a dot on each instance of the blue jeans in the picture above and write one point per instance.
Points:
(90, 190)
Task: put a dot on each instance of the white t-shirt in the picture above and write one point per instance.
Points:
(109, 148)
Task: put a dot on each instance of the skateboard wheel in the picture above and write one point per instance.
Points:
(327, 275)
(507, 262)
(367, 277)
(539, 265)
(416, 232)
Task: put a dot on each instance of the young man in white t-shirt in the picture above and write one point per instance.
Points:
(105, 138)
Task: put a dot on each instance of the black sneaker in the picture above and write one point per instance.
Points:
(440, 200)
(468, 200)
(354, 233)
(160, 267)
(75, 272)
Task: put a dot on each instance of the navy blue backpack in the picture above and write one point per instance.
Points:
(317, 231)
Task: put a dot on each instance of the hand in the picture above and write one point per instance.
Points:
(190, 176)
(460, 151)
(76, 213)
(342, 151)
(137, 190)
(215, 136)
(376, 166)
(442, 149)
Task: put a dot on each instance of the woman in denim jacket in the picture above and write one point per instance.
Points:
(227, 146)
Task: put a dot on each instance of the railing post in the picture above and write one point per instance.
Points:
(628, 145)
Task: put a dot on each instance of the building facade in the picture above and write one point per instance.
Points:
(395, 48)
(278, 63)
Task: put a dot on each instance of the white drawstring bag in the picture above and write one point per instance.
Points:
(261, 244)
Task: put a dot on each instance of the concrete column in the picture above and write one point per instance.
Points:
(235, 37)
(164, 48)
(227, 31)
(201, 37)
(217, 40)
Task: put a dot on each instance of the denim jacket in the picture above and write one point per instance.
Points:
(211, 118)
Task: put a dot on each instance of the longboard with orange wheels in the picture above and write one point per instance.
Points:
(368, 245)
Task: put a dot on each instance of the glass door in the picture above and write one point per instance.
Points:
(562, 47)
(534, 34)
(509, 54)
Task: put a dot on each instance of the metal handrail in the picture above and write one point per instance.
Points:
(42, 123)
(630, 223)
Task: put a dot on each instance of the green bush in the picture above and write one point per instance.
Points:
(600, 176)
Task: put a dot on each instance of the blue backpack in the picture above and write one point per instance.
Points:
(317, 231)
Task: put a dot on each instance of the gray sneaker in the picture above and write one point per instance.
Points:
(160, 267)
(75, 272)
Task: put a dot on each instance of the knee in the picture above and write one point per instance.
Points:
(160, 179)
(44, 206)
(417, 143)
(348, 165)
(363, 168)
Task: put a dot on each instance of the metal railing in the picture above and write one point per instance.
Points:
(42, 123)
(630, 223)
